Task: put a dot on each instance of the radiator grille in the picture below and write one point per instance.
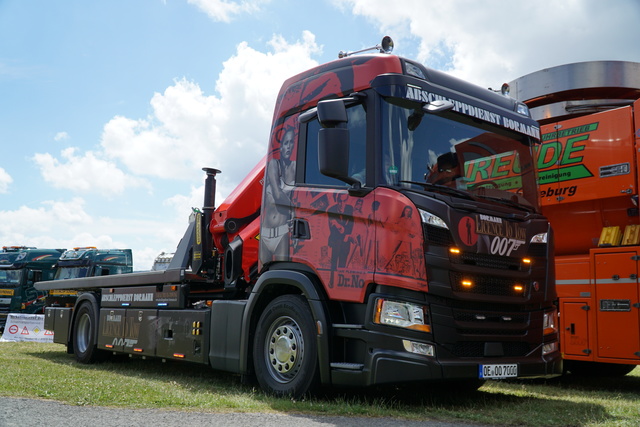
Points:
(487, 261)
(476, 349)
(437, 236)
(487, 285)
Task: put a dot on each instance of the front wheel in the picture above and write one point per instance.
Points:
(285, 351)
(85, 333)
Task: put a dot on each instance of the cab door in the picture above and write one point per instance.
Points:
(333, 229)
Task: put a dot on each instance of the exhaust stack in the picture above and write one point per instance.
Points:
(203, 242)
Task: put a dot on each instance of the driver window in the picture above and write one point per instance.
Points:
(356, 124)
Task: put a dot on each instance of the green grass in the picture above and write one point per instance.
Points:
(45, 371)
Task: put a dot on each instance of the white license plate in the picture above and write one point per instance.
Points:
(498, 371)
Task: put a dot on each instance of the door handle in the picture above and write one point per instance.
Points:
(300, 229)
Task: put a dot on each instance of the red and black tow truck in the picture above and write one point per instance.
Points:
(391, 234)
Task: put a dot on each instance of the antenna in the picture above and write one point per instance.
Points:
(386, 46)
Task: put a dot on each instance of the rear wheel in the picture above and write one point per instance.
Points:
(285, 351)
(85, 333)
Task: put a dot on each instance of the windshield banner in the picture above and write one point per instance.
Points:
(416, 93)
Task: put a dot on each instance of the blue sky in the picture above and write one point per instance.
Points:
(109, 109)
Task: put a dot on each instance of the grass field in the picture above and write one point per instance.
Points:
(45, 371)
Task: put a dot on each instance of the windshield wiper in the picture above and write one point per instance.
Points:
(440, 188)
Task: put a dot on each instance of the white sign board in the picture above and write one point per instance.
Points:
(26, 327)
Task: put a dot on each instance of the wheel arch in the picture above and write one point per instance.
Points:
(273, 284)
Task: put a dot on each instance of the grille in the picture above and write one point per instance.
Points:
(484, 322)
(494, 332)
(538, 250)
(437, 236)
(487, 261)
(465, 316)
(476, 349)
(486, 285)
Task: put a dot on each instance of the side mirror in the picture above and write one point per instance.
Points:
(332, 113)
(333, 141)
(333, 153)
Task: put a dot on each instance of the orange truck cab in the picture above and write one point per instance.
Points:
(588, 174)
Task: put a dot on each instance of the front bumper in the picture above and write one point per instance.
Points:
(385, 361)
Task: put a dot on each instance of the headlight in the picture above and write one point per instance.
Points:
(549, 322)
(431, 219)
(401, 314)
(539, 238)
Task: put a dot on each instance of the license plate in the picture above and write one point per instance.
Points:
(498, 371)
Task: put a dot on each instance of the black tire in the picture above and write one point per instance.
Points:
(285, 350)
(84, 334)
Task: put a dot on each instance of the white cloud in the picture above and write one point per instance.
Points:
(85, 173)
(194, 199)
(61, 136)
(185, 131)
(502, 40)
(30, 226)
(67, 224)
(225, 10)
(5, 181)
(188, 130)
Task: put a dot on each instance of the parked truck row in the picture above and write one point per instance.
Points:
(22, 266)
(392, 233)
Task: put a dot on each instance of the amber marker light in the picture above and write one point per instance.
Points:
(138, 350)
(178, 355)
(376, 315)
(526, 261)
(454, 251)
(518, 288)
(466, 284)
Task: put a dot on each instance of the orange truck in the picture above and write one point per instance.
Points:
(588, 174)
(391, 234)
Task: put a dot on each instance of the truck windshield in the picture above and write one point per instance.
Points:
(10, 278)
(470, 159)
(71, 272)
